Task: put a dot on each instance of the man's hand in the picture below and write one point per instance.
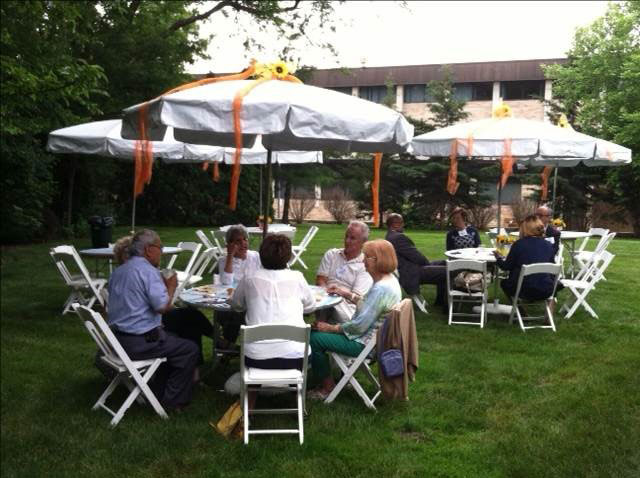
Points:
(334, 289)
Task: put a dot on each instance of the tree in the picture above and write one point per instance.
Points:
(600, 84)
(67, 62)
(446, 108)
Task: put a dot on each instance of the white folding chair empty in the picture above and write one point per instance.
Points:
(467, 297)
(300, 248)
(527, 270)
(583, 258)
(134, 374)
(85, 290)
(580, 288)
(194, 247)
(197, 272)
(593, 232)
(208, 245)
(254, 379)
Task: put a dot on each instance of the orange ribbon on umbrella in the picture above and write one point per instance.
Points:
(546, 172)
(375, 188)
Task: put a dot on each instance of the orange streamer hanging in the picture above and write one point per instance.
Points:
(452, 179)
(237, 133)
(375, 188)
(546, 172)
(507, 162)
(143, 155)
(215, 172)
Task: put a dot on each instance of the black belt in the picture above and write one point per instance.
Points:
(152, 335)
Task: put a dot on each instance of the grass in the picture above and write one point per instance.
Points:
(488, 403)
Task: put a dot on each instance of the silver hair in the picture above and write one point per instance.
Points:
(234, 231)
(142, 239)
(364, 229)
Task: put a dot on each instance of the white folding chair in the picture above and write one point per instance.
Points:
(559, 259)
(527, 270)
(300, 248)
(257, 379)
(581, 287)
(467, 297)
(194, 247)
(593, 232)
(134, 374)
(583, 258)
(84, 289)
(419, 301)
(208, 245)
(219, 239)
(198, 270)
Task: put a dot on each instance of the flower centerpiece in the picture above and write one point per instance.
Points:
(504, 243)
(558, 223)
(260, 221)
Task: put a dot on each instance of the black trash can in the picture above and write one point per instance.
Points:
(101, 230)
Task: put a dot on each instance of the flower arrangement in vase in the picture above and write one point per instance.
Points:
(558, 223)
(504, 243)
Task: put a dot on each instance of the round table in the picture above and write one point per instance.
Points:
(216, 297)
(482, 254)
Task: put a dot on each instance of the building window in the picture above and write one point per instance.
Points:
(473, 91)
(341, 89)
(521, 90)
(375, 93)
(417, 94)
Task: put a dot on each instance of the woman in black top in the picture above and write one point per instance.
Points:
(461, 235)
(531, 248)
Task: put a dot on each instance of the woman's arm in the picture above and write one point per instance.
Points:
(369, 309)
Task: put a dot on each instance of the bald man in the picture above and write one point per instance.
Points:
(551, 234)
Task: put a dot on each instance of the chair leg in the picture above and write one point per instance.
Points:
(108, 391)
(550, 314)
(300, 415)
(245, 414)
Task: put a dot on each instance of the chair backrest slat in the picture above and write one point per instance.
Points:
(466, 264)
(204, 239)
(255, 333)
(308, 236)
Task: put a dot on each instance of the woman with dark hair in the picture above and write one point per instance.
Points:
(460, 235)
(274, 294)
(531, 248)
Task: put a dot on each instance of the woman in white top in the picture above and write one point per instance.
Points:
(274, 294)
(238, 263)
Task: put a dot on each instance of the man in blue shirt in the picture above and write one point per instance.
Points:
(138, 296)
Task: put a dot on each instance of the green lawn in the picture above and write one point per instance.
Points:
(486, 403)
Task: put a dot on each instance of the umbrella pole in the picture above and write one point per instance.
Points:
(133, 216)
(553, 197)
(261, 174)
(267, 187)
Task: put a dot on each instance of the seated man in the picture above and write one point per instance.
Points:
(342, 271)
(551, 234)
(413, 267)
(138, 296)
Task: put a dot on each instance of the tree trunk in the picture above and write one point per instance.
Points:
(287, 200)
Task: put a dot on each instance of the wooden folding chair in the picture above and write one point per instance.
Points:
(85, 290)
(134, 374)
(256, 379)
(527, 270)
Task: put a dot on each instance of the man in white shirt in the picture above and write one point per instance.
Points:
(342, 271)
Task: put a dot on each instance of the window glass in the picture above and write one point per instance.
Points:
(374, 93)
(416, 94)
(473, 91)
(521, 90)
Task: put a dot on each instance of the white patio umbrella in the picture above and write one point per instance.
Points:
(103, 138)
(531, 142)
(288, 116)
(518, 140)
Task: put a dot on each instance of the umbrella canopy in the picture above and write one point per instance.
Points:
(103, 138)
(289, 116)
(533, 142)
